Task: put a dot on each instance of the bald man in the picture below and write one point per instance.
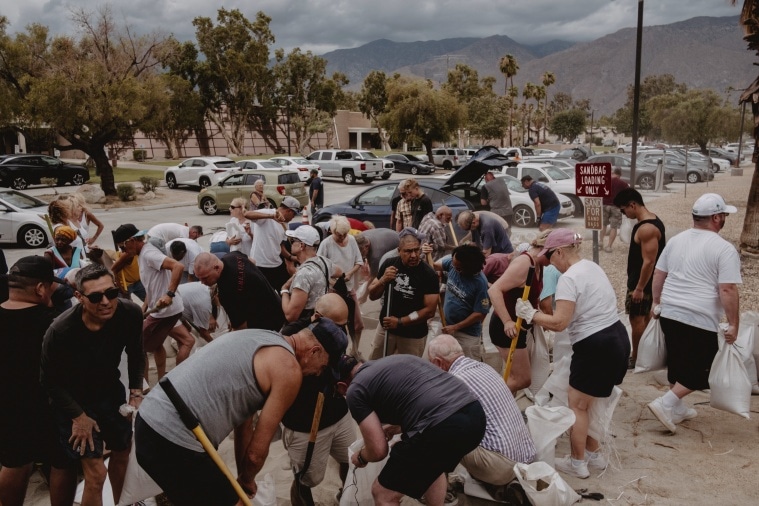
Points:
(336, 429)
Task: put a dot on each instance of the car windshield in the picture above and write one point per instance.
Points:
(301, 160)
(290, 178)
(367, 154)
(555, 172)
(269, 165)
(21, 201)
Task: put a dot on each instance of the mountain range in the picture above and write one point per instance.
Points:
(702, 52)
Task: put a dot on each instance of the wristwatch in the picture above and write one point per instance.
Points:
(171, 294)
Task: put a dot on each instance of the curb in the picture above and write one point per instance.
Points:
(116, 210)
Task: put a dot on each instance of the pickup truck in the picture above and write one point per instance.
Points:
(348, 165)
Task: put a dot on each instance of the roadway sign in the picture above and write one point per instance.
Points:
(593, 213)
(593, 179)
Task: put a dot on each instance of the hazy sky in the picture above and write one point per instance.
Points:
(324, 25)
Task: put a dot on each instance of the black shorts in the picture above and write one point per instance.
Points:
(500, 339)
(187, 477)
(690, 353)
(29, 439)
(599, 362)
(415, 463)
(642, 308)
(115, 430)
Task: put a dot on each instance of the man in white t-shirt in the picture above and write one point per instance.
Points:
(268, 249)
(161, 276)
(185, 251)
(695, 283)
(170, 231)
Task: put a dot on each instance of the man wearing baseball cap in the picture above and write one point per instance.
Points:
(28, 434)
(311, 280)
(268, 249)
(695, 282)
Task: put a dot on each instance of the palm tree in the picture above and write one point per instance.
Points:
(548, 80)
(528, 92)
(509, 68)
(750, 234)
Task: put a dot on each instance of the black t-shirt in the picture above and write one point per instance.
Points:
(21, 395)
(547, 197)
(316, 184)
(408, 290)
(419, 209)
(247, 296)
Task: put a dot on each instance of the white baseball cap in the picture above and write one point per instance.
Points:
(710, 204)
(306, 234)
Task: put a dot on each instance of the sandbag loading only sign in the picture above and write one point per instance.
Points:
(593, 182)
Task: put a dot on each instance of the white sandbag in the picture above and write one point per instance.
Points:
(728, 380)
(562, 346)
(474, 487)
(625, 230)
(540, 361)
(558, 381)
(358, 483)
(266, 491)
(748, 345)
(601, 413)
(652, 350)
(138, 485)
(544, 486)
(546, 424)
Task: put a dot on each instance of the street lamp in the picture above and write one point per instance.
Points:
(590, 143)
(289, 98)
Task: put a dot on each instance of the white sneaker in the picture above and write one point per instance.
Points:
(565, 466)
(679, 416)
(663, 413)
(597, 460)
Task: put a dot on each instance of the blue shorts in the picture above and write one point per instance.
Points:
(550, 216)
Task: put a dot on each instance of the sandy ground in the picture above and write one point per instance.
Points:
(710, 460)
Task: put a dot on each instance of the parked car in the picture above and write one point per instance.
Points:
(562, 163)
(627, 147)
(303, 166)
(348, 166)
(608, 143)
(553, 177)
(645, 175)
(409, 163)
(545, 153)
(675, 163)
(21, 170)
(721, 153)
(717, 164)
(577, 153)
(258, 164)
(449, 158)
(519, 154)
(278, 183)
(21, 220)
(201, 171)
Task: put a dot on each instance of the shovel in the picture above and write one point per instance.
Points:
(300, 495)
(520, 331)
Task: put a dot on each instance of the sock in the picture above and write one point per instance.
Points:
(670, 400)
(589, 455)
(577, 463)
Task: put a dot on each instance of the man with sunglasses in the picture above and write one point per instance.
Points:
(80, 359)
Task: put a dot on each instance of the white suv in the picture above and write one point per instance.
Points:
(201, 171)
(449, 158)
(551, 176)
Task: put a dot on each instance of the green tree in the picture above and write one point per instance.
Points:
(652, 86)
(569, 124)
(509, 67)
(487, 116)
(372, 101)
(417, 111)
(548, 80)
(233, 76)
(94, 91)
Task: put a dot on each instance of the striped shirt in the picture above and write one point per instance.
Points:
(505, 432)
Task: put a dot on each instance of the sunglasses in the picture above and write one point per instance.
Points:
(549, 253)
(235, 207)
(96, 297)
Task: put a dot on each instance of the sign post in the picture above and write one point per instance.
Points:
(593, 182)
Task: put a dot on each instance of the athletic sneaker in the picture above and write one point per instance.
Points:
(597, 461)
(684, 413)
(663, 413)
(565, 466)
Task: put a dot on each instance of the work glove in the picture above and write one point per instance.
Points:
(525, 310)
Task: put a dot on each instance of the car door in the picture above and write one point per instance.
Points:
(375, 205)
(184, 172)
(232, 187)
(6, 223)
(32, 169)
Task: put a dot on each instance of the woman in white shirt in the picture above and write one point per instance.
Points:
(586, 306)
(239, 232)
(82, 218)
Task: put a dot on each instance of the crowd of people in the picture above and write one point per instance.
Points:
(291, 297)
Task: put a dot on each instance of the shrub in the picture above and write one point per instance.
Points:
(149, 184)
(126, 192)
(139, 155)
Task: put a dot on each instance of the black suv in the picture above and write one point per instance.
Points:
(20, 171)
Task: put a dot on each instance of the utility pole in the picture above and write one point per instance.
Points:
(636, 91)
(289, 146)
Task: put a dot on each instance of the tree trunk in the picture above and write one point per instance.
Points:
(103, 165)
(750, 233)
(231, 140)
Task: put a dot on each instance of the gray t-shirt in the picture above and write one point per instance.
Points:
(219, 386)
(496, 192)
(345, 257)
(382, 240)
(408, 391)
(311, 277)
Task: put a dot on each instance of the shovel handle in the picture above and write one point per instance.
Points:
(518, 324)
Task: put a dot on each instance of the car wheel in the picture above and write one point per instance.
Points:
(348, 177)
(414, 171)
(523, 216)
(77, 180)
(32, 236)
(620, 150)
(579, 208)
(647, 182)
(385, 175)
(19, 183)
(208, 206)
(204, 182)
(447, 164)
(694, 177)
(171, 181)
(715, 167)
(367, 180)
